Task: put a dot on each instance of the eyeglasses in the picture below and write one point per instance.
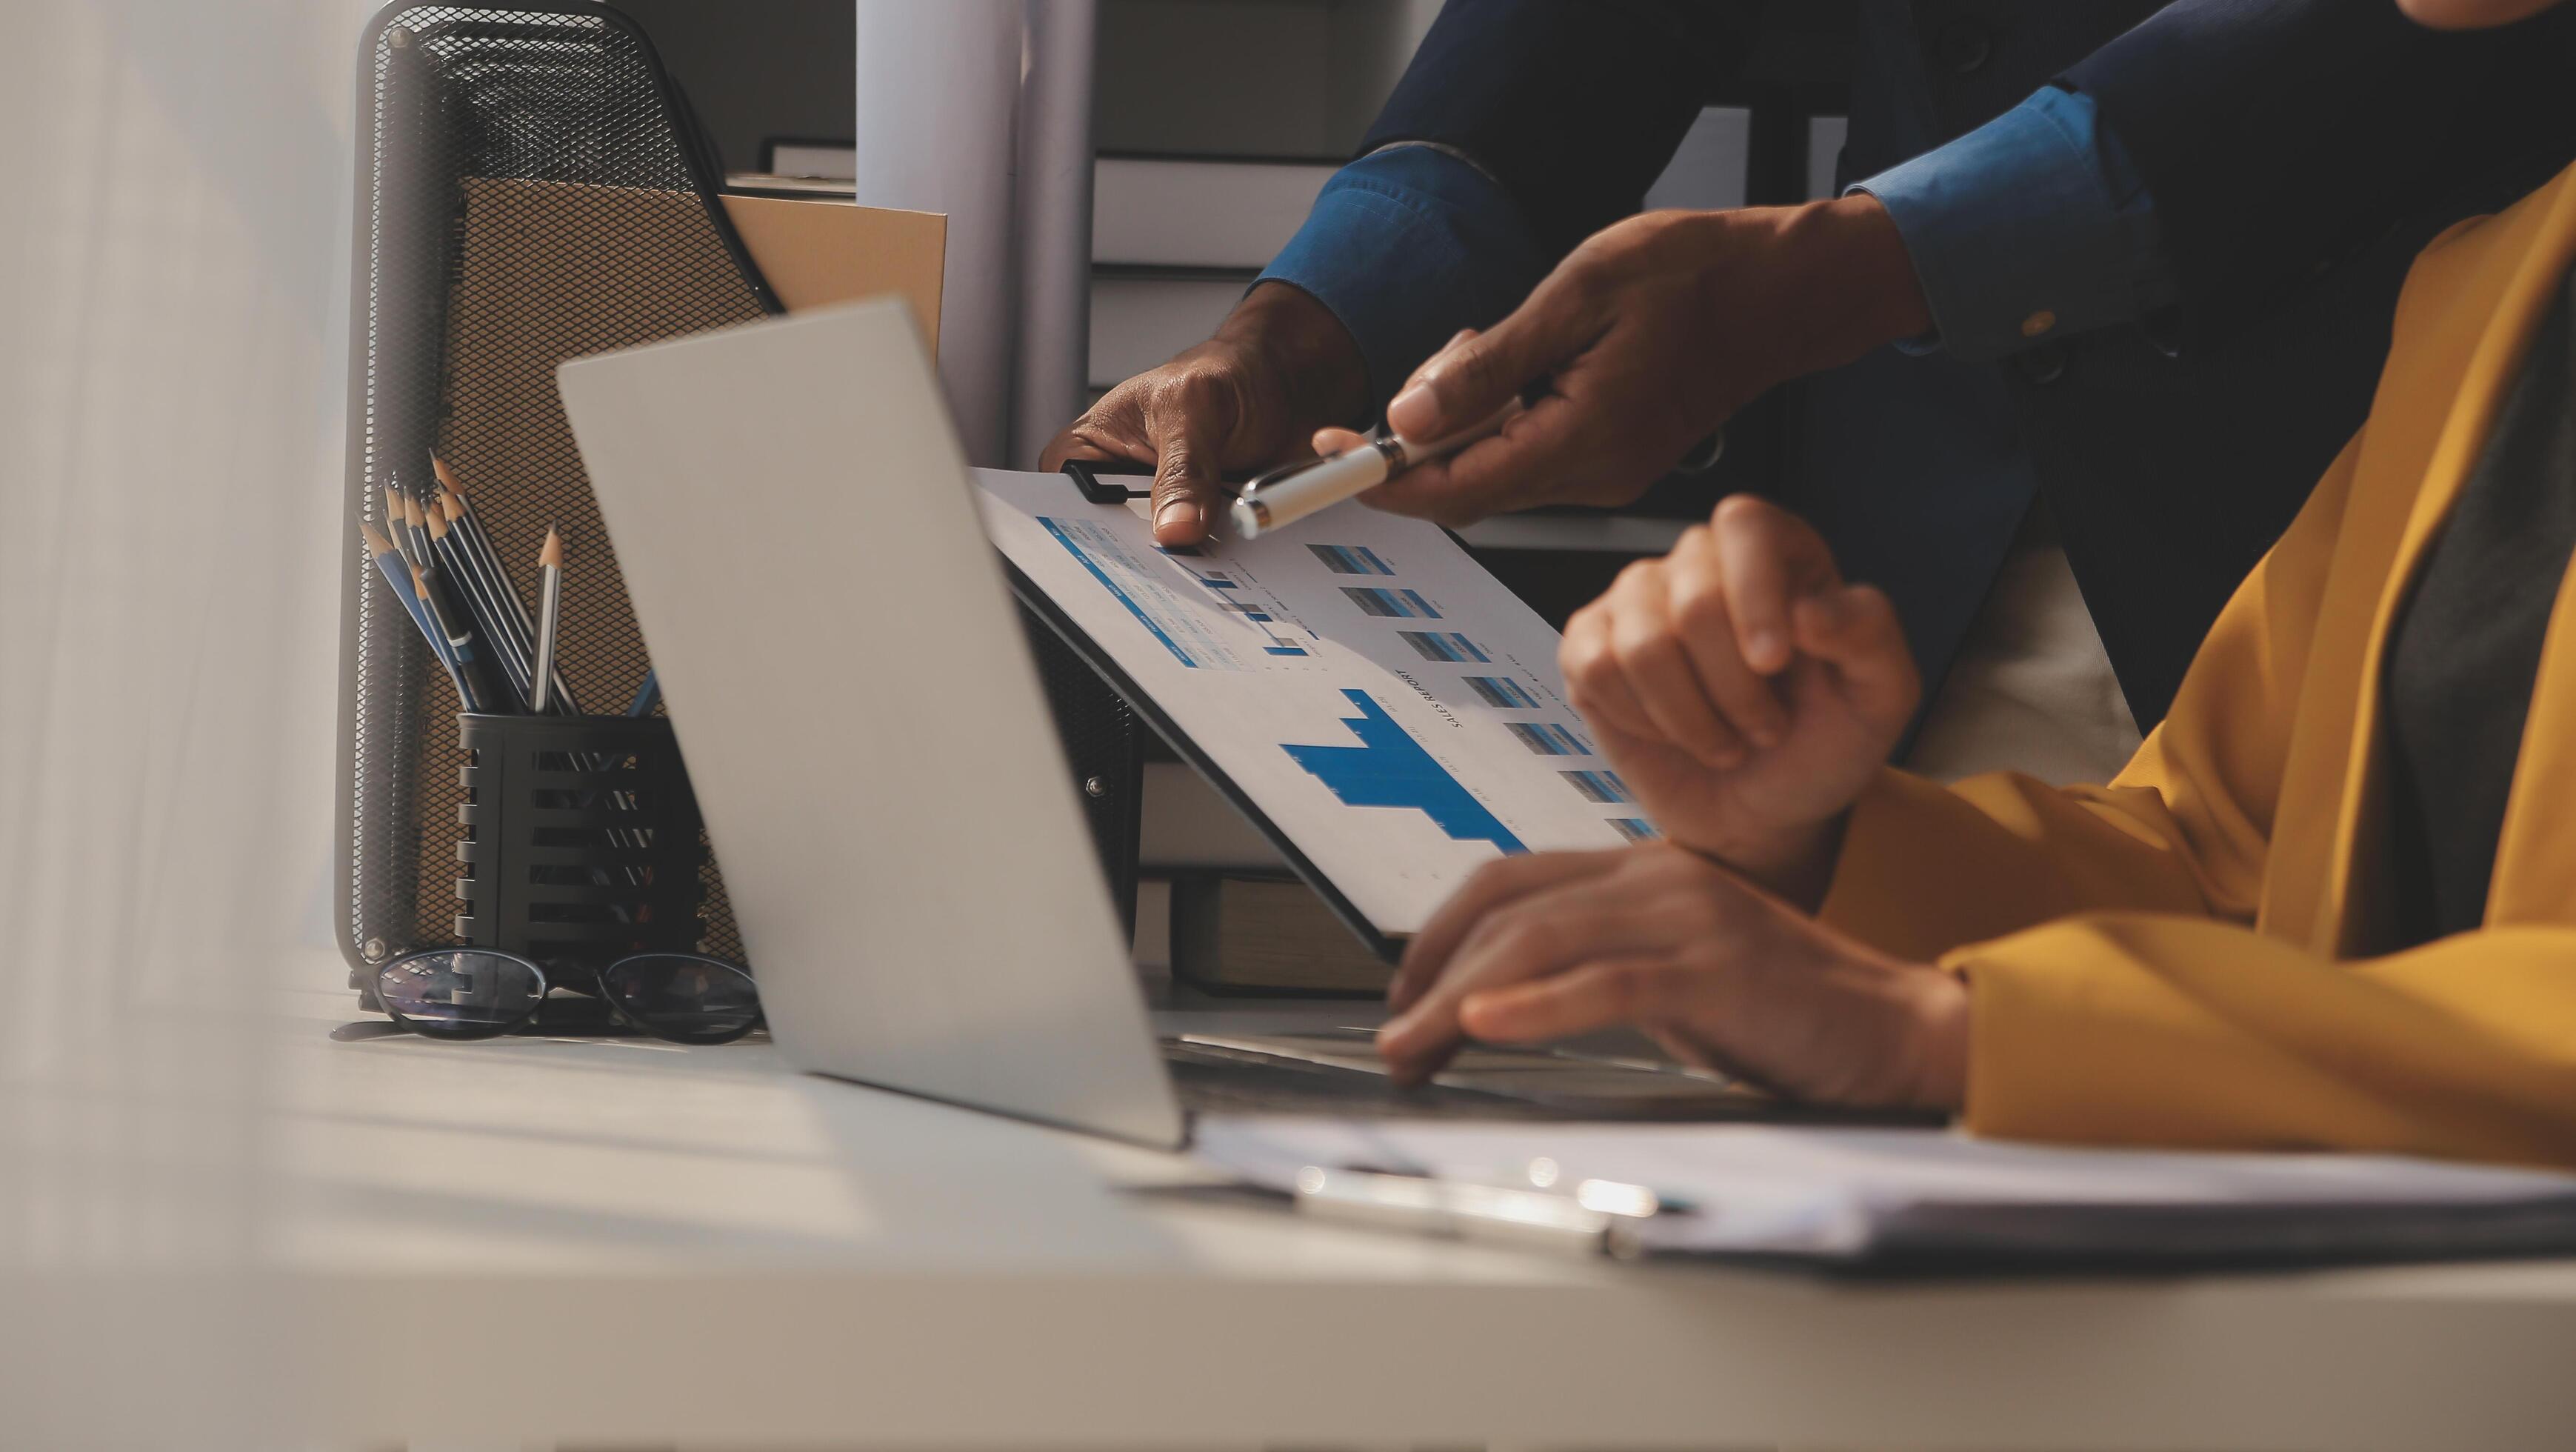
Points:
(481, 993)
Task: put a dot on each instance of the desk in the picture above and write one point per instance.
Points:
(846, 1267)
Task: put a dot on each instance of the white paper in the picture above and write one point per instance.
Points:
(1848, 1193)
(1274, 657)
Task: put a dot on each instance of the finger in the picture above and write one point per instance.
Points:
(1328, 442)
(1466, 382)
(1113, 428)
(1609, 992)
(1544, 933)
(1186, 430)
(1770, 559)
(1493, 885)
(1854, 629)
(1593, 680)
(1528, 462)
(1650, 654)
(1696, 589)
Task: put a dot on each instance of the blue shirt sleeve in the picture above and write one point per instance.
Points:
(2033, 226)
(1406, 246)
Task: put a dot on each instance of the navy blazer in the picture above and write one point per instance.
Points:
(2299, 153)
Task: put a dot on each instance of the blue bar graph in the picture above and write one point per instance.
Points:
(1503, 692)
(1390, 769)
(1445, 646)
(1346, 560)
(1390, 604)
(1599, 786)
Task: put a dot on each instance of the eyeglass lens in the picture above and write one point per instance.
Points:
(683, 997)
(464, 993)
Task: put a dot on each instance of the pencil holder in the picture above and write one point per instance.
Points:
(581, 839)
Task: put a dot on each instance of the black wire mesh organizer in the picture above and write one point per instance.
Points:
(532, 187)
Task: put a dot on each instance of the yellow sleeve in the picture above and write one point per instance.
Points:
(2127, 1028)
(2185, 828)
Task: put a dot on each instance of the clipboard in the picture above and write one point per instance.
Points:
(1103, 482)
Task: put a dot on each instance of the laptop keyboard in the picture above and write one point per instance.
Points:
(1336, 1072)
(1215, 1079)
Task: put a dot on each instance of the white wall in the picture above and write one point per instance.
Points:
(172, 273)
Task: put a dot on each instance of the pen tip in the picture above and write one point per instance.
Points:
(551, 555)
(377, 543)
(419, 583)
(450, 504)
(446, 477)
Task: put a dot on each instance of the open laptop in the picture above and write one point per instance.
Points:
(871, 748)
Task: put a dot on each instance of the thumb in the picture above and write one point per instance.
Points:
(1855, 631)
(1464, 384)
(1185, 475)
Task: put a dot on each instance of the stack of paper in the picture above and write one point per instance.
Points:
(1931, 1199)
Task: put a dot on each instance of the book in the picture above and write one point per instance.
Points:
(1268, 933)
(1175, 212)
(1140, 319)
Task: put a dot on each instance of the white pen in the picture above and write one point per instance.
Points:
(1290, 493)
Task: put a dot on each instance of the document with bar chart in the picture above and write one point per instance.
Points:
(1389, 712)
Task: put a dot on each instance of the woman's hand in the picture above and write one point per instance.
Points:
(1744, 692)
(1721, 974)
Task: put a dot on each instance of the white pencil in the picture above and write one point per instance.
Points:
(549, 613)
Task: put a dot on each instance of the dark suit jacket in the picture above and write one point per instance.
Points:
(2299, 153)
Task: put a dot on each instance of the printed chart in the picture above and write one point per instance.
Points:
(1386, 707)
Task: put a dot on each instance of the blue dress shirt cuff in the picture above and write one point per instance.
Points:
(2034, 226)
(1406, 246)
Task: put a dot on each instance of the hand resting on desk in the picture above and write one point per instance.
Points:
(1720, 973)
(1747, 695)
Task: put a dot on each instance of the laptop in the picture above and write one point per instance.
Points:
(871, 748)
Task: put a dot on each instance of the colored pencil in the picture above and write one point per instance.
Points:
(395, 569)
(549, 616)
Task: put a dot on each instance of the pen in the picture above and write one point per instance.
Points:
(1290, 493)
(1467, 1210)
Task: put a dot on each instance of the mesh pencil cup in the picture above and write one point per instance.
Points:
(581, 838)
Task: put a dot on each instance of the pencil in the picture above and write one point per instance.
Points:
(415, 533)
(391, 564)
(476, 542)
(459, 670)
(549, 615)
(480, 691)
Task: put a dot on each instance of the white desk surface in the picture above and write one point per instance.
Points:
(628, 1242)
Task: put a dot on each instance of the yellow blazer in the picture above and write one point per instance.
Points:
(2197, 954)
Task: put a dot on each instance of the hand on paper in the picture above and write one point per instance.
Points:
(1280, 366)
(1720, 973)
(1640, 344)
(1744, 692)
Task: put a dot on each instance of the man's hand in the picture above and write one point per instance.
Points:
(1280, 367)
(1642, 342)
(1719, 973)
(1744, 692)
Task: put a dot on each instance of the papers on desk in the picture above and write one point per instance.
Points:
(1391, 709)
(1931, 1199)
